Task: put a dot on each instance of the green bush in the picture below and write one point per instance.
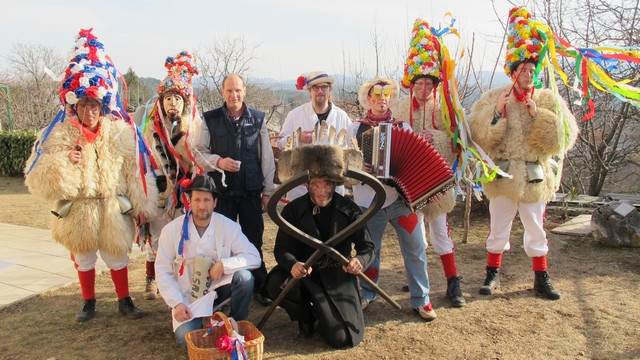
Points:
(15, 147)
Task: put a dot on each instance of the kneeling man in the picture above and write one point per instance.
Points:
(204, 236)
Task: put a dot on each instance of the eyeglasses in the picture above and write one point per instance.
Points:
(379, 91)
(89, 105)
(317, 88)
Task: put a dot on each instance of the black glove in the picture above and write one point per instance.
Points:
(175, 138)
(161, 183)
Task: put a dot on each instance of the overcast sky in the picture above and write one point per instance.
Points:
(290, 36)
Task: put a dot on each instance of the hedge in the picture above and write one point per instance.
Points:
(15, 147)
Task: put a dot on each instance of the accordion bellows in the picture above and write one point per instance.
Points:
(418, 171)
(322, 161)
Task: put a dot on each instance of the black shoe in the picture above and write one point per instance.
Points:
(542, 286)
(454, 294)
(405, 288)
(491, 282)
(262, 299)
(305, 329)
(126, 308)
(88, 311)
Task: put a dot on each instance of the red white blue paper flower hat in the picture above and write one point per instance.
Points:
(423, 57)
(181, 69)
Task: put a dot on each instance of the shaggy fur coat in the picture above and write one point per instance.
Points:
(441, 141)
(107, 169)
(520, 138)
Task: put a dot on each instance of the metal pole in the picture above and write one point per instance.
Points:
(8, 108)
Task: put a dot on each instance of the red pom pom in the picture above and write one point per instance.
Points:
(92, 92)
(302, 81)
(224, 343)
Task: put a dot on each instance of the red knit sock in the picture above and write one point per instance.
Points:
(88, 283)
(539, 263)
(121, 281)
(151, 270)
(494, 260)
(449, 265)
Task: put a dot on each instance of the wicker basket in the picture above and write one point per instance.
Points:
(204, 348)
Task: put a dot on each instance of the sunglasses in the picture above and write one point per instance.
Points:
(380, 91)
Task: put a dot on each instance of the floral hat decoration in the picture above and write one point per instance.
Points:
(524, 41)
(90, 74)
(181, 69)
(305, 81)
(423, 57)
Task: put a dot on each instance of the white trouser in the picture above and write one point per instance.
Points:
(155, 228)
(503, 210)
(439, 234)
(87, 261)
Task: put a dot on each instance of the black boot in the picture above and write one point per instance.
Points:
(454, 294)
(87, 312)
(305, 328)
(542, 286)
(491, 282)
(126, 308)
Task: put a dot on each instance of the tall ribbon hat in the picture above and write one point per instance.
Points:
(423, 58)
(181, 69)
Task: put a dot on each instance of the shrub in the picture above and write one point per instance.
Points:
(15, 147)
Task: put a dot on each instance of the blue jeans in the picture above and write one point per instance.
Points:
(240, 291)
(412, 246)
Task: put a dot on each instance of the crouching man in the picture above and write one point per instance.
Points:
(204, 236)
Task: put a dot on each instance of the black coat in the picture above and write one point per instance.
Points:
(341, 287)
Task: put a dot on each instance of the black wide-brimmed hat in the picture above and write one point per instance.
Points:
(203, 183)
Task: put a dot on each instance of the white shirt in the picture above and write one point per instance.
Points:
(305, 117)
(222, 241)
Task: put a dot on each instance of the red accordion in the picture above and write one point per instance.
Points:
(416, 169)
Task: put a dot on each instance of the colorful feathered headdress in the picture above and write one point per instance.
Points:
(424, 53)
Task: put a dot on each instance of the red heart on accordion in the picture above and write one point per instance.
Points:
(408, 222)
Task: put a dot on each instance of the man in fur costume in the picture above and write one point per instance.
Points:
(421, 109)
(375, 96)
(309, 116)
(167, 132)
(88, 166)
(328, 291)
(522, 129)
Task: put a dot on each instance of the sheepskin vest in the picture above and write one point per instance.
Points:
(520, 139)
(107, 168)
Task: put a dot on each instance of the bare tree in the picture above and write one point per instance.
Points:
(606, 142)
(34, 98)
(226, 55)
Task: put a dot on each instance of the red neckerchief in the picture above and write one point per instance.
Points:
(89, 136)
(373, 120)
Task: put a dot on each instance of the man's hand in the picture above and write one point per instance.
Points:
(353, 267)
(533, 109)
(265, 201)
(141, 219)
(427, 135)
(228, 164)
(298, 271)
(502, 102)
(306, 137)
(75, 154)
(182, 313)
(434, 199)
(216, 271)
